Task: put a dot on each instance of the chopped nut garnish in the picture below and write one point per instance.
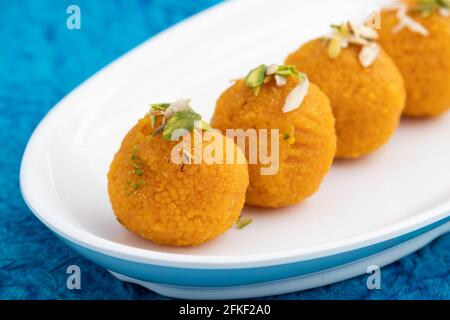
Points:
(137, 168)
(157, 109)
(369, 54)
(177, 115)
(297, 95)
(243, 222)
(280, 80)
(181, 120)
(335, 47)
(263, 74)
(349, 33)
(272, 69)
(177, 106)
(256, 78)
(290, 136)
(364, 32)
(286, 71)
(427, 7)
(405, 21)
(444, 12)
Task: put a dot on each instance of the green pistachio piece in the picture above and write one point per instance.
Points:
(181, 120)
(334, 47)
(204, 126)
(157, 107)
(256, 77)
(243, 222)
(286, 71)
(427, 7)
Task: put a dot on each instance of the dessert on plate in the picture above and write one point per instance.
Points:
(161, 191)
(281, 99)
(365, 88)
(416, 34)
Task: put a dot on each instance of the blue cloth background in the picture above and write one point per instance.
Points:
(40, 62)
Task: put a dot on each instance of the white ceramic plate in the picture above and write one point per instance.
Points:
(389, 200)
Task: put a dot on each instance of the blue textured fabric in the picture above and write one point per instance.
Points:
(40, 62)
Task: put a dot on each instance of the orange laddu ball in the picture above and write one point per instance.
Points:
(421, 50)
(365, 88)
(174, 204)
(307, 140)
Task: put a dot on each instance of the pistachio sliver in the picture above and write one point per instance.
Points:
(256, 77)
(342, 30)
(427, 7)
(157, 109)
(286, 71)
(159, 106)
(289, 137)
(351, 34)
(152, 120)
(243, 222)
(181, 120)
(177, 106)
(336, 28)
(334, 47)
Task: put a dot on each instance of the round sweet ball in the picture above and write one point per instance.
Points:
(422, 53)
(306, 137)
(367, 100)
(172, 203)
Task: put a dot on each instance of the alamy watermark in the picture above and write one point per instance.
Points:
(74, 279)
(374, 19)
(260, 146)
(374, 280)
(73, 21)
